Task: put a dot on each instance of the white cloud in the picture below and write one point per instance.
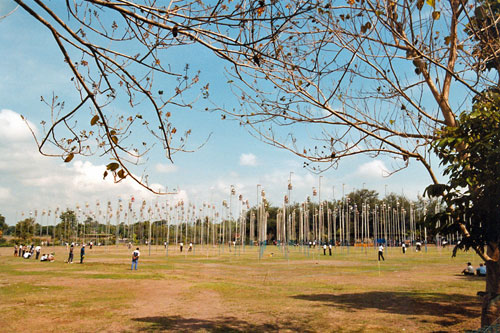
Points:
(13, 127)
(248, 159)
(375, 168)
(5, 193)
(166, 168)
(46, 182)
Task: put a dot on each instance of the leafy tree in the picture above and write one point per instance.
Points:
(68, 226)
(3, 225)
(471, 155)
(363, 196)
(25, 229)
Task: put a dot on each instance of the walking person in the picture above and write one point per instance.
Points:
(381, 252)
(135, 258)
(181, 245)
(403, 247)
(324, 249)
(15, 250)
(330, 249)
(82, 253)
(70, 257)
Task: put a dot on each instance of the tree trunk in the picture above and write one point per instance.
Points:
(491, 300)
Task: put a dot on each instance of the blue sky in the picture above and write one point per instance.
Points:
(30, 67)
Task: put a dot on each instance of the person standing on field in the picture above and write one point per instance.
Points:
(38, 248)
(135, 258)
(82, 253)
(381, 252)
(70, 257)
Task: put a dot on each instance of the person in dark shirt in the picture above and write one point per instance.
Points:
(82, 253)
(70, 257)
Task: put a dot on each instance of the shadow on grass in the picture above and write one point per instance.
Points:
(220, 324)
(451, 308)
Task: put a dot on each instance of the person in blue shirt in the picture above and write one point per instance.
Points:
(481, 270)
(82, 253)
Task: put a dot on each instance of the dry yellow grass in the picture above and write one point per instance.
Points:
(212, 290)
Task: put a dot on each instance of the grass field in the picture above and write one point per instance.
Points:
(212, 290)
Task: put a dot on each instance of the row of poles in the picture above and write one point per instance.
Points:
(340, 223)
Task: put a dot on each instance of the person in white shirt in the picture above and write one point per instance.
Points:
(469, 270)
(38, 248)
(381, 252)
(324, 249)
(135, 258)
(403, 247)
(44, 257)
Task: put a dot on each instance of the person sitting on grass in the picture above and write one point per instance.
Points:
(27, 255)
(469, 270)
(44, 257)
(50, 257)
(481, 270)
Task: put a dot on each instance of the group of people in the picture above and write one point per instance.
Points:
(190, 248)
(27, 252)
(480, 271)
(329, 249)
(70, 254)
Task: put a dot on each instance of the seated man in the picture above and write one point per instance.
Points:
(44, 257)
(51, 257)
(481, 271)
(469, 270)
(27, 255)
